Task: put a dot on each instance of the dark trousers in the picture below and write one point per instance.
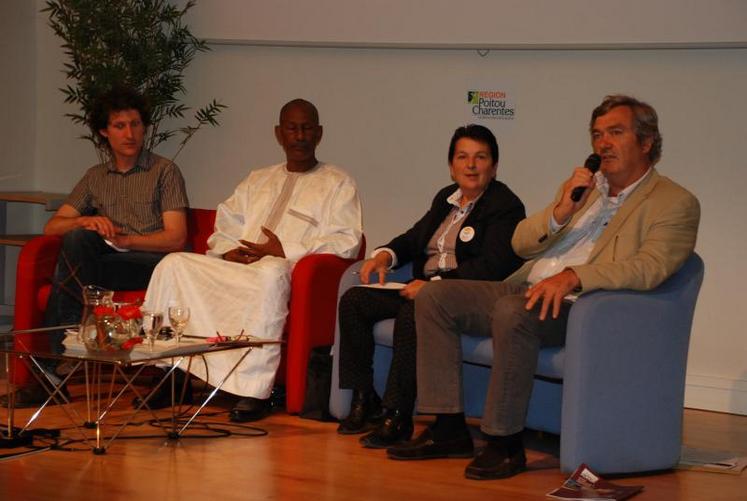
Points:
(360, 308)
(85, 254)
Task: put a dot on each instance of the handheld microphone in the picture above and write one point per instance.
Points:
(592, 163)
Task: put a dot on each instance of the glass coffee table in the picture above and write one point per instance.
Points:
(165, 354)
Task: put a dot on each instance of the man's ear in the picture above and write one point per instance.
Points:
(104, 133)
(647, 145)
(319, 135)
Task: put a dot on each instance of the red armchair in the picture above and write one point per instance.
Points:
(312, 318)
(36, 265)
(313, 302)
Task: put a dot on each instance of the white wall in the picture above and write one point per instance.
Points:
(17, 101)
(388, 116)
(474, 23)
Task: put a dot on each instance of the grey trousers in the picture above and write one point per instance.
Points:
(446, 309)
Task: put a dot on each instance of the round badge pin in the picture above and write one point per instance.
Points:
(467, 234)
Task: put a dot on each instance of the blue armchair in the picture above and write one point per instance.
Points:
(614, 393)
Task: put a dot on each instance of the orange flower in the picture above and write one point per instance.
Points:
(130, 343)
(101, 310)
(129, 312)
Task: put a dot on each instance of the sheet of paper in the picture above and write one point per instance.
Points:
(712, 460)
(118, 249)
(395, 286)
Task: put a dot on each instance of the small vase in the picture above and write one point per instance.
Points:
(93, 296)
(107, 333)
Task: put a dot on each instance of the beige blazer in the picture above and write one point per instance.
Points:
(648, 239)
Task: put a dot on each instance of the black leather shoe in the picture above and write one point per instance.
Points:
(424, 446)
(495, 461)
(162, 398)
(250, 409)
(33, 395)
(365, 413)
(395, 429)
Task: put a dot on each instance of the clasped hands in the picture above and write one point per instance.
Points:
(251, 252)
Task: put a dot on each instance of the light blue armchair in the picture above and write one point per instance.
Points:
(614, 393)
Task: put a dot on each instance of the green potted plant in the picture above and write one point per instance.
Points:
(144, 44)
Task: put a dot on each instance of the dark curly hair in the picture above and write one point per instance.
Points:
(117, 99)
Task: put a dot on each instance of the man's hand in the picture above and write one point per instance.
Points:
(411, 290)
(582, 177)
(272, 247)
(100, 224)
(240, 255)
(378, 264)
(552, 290)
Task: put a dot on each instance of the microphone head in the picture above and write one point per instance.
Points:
(593, 162)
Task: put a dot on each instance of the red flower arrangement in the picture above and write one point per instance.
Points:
(130, 343)
(127, 314)
(103, 310)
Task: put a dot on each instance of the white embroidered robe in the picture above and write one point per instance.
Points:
(313, 212)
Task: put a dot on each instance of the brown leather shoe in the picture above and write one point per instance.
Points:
(494, 462)
(424, 446)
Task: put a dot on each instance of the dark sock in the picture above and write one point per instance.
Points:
(448, 426)
(363, 394)
(512, 443)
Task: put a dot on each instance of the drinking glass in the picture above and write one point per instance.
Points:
(152, 321)
(178, 316)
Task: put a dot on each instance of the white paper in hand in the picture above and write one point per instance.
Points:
(118, 249)
(395, 286)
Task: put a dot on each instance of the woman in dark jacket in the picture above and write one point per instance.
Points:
(466, 234)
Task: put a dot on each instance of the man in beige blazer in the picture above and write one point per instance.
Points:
(631, 229)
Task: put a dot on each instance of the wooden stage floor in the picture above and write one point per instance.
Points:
(302, 459)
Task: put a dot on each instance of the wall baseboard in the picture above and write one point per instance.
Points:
(716, 394)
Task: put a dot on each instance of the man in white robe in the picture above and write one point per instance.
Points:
(276, 216)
